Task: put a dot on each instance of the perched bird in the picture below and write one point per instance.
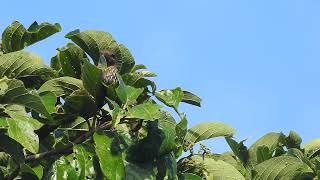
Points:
(109, 66)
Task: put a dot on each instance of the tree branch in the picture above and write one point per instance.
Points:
(67, 149)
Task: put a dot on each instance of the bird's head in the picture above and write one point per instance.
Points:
(108, 57)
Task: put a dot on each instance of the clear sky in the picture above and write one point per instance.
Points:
(256, 64)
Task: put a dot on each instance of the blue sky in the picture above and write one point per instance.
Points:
(256, 64)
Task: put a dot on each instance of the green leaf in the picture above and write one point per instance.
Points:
(82, 161)
(62, 86)
(167, 166)
(38, 171)
(263, 154)
(21, 128)
(282, 167)
(147, 148)
(182, 128)
(294, 152)
(15, 37)
(271, 140)
(231, 159)
(171, 98)
(312, 148)
(49, 100)
(138, 67)
(167, 124)
(124, 58)
(239, 149)
(25, 66)
(139, 171)
(116, 113)
(31, 173)
(61, 169)
(16, 108)
(11, 147)
(147, 74)
(191, 98)
(293, 140)
(146, 111)
(206, 131)
(12, 91)
(93, 42)
(190, 176)
(110, 157)
(218, 169)
(79, 124)
(68, 60)
(75, 128)
(128, 94)
(91, 78)
(137, 80)
(80, 102)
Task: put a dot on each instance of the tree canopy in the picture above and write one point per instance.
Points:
(96, 114)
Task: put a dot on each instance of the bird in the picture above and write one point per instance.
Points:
(109, 65)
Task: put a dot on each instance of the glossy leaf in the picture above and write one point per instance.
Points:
(110, 158)
(61, 86)
(139, 171)
(146, 111)
(167, 166)
(16, 37)
(206, 131)
(182, 128)
(91, 77)
(138, 67)
(61, 169)
(49, 100)
(82, 161)
(128, 94)
(124, 58)
(218, 169)
(21, 128)
(282, 167)
(167, 124)
(293, 140)
(312, 148)
(271, 140)
(171, 98)
(93, 42)
(31, 173)
(80, 102)
(68, 60)
(190, 176)
(239, 149)
(12, 91)
(191, 98)
(25, 66)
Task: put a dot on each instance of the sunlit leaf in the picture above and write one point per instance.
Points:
(146, 111)
(171, 98)
(16, 37)
(207, 130)
(21, 128)
(68, 60)
(110, 157)
(12, 91)
(61, 86)
(25, 66)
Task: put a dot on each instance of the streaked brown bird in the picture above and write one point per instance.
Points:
(108, 64)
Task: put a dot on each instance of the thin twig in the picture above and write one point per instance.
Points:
(67, 149)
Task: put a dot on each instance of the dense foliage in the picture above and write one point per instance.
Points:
(95, 114)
